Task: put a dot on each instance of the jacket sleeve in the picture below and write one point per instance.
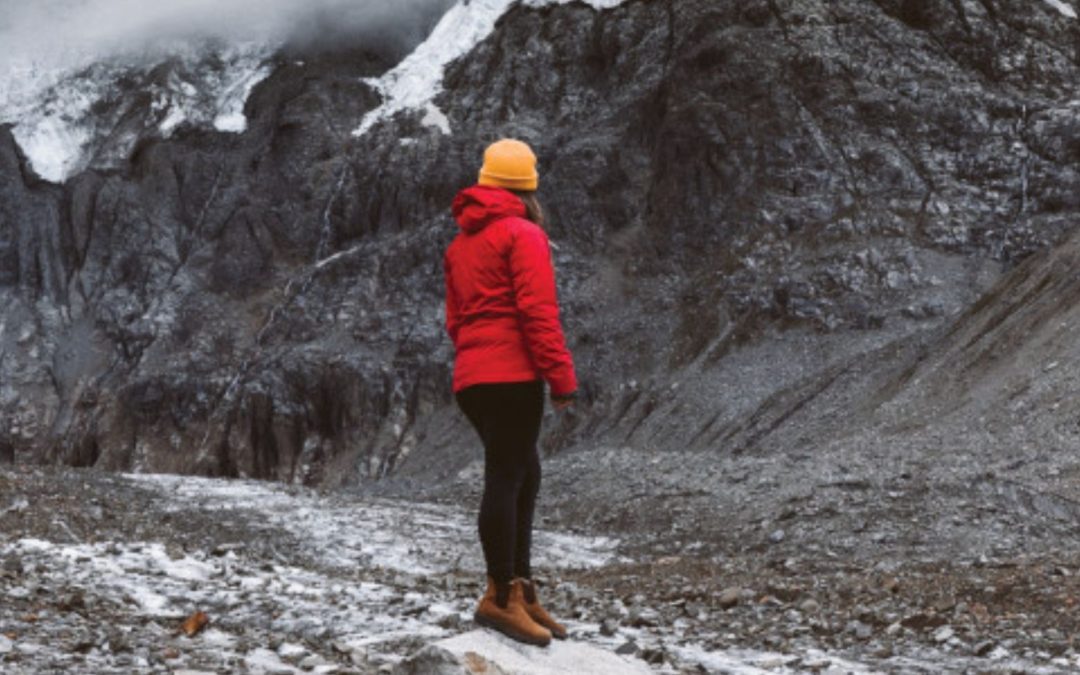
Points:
(533, 277)
(453, 313)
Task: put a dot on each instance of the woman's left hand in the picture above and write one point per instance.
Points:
(563, 402)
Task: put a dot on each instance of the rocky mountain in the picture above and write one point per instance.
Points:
(767, 214)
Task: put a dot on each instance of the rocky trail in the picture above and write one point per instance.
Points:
(99, 573)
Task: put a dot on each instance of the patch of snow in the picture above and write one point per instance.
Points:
(234, 97)
(289, 650)
(595, 4)
(415, 82)
(45, 131)
(413, 538)
(218, 638)
(752, 662)
(232, 123)
(261, 661)
(137, 573)
(1063, 7)
(506, 655)
(36, 544)
(174, 119)
(433, 117)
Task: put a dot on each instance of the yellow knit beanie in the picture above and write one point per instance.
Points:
(510, 164)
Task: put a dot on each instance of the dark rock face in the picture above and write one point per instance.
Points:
(745, 196)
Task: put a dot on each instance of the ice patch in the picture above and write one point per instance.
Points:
(1063, 7)
(415, 82)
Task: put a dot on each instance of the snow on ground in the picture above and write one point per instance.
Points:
(317, 581)
(417, 80)
(161, 585)
(411, 538)
(560, 658)
(391, 545)
(1062, 6)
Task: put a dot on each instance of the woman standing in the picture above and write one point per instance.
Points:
(503, 317)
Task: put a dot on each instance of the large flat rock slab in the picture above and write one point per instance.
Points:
(486, 652)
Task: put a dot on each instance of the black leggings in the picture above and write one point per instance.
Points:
(507, 417)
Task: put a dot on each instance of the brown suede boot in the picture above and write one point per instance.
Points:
(538, 613)
(503, 609)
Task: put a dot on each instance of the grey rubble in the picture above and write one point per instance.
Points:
(129, 558)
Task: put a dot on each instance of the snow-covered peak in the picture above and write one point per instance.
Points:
(417, 80)
(1062, 6)
(64, 62)
(64, 120)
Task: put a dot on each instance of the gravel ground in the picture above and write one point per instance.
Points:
(99, 573)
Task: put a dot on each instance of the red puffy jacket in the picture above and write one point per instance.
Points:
(501, 308)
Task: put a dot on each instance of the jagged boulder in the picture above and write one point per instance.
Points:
(485, 652)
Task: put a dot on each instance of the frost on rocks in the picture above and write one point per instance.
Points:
(1062, 6)
(415, 82)
(281, 599)
(316, 598)
(485, 651)
(411, 538)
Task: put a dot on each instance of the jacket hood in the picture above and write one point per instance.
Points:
(478, 206)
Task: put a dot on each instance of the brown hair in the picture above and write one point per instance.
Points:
(533, 210)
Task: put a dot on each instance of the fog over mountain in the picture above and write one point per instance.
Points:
(56, 33)
(67, 65)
